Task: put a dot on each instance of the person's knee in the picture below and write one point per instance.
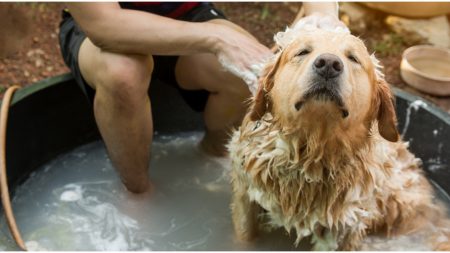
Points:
(126, 79)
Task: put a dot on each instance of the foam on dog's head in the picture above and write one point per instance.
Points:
(285, 38)
(306, 25)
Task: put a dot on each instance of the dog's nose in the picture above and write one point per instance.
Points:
(328, 65)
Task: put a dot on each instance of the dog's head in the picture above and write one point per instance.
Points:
(327, 77)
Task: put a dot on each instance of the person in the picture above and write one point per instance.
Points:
(114, 50)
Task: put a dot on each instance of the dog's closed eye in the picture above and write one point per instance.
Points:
(352, 58)
(303, 52)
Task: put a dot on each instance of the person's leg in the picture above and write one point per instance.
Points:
(226, 104)
(122, 109)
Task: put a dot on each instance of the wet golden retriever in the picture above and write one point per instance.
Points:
(319, 152)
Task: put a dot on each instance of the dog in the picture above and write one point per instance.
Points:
(319, 152)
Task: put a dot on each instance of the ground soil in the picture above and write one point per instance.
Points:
(38, 55)
(29, 49)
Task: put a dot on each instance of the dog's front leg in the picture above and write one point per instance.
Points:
(245, 214)
(323, 239)
(351, 241)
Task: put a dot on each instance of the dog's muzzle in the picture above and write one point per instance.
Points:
(328, 66)
(325, 84)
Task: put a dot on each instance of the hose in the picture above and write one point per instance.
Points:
(6, 201)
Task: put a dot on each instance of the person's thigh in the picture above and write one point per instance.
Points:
(203, 71)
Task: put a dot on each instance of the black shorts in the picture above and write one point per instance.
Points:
(71, 37)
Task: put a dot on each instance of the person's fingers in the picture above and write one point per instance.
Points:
(240, 54)
(241, 67)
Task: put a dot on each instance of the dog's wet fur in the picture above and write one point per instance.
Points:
(322, 156)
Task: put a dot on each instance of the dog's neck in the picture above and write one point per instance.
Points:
(322, 140)
(324, 150)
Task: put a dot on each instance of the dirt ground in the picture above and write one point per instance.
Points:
(33, 53)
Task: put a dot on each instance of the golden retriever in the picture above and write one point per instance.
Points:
(318, 151)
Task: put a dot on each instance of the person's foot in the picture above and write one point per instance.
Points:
(214, 143)
(141, 188)
(135, 205)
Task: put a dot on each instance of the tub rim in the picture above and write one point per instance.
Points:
(24, 92)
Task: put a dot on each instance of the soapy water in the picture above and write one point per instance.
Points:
(77, 202)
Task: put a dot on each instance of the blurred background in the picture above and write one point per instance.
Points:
(29, 49)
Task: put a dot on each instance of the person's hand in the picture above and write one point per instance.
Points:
(319, 20)
(316, 20)
(240, 54)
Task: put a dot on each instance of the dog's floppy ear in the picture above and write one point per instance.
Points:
(387, 119)
(261, 101)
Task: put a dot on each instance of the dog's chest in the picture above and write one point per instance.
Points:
(270, 204)
(266, 163)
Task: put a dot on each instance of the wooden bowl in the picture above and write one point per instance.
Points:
(427, 68)
(412, 10)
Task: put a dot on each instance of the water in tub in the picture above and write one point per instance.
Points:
(76, 202)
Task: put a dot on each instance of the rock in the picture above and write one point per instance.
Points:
(435, 31)
(421, 9)
(38, 63)
(39, 51)
(355, 16)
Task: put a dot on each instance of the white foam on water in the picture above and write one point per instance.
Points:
(400, 243)
(34, 246)
(74, 193)
(77, 202)
(435, 167)
(435, 164)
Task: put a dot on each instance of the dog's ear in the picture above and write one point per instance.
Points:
(387, 119)
(261, 101)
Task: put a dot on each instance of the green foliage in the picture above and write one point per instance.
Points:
(265, 12)
(390, 44)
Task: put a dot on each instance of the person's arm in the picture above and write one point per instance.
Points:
(114, 29)
(329, 8)
(323, 15)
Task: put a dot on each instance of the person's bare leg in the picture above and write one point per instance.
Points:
(226, 104)
(223, 112)
(122, 109)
